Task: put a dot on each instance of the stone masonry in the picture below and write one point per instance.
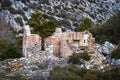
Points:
(64, 44)
(60, 44)
(30, 41)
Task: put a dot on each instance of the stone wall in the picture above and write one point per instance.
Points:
(60, 44)
(30, 40)
(67, 43)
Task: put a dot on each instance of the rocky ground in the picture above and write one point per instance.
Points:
(35, 67)
(38, 66)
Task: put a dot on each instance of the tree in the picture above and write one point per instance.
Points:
(109, 31)
(11, 51)
(85, 25)
(41, 26)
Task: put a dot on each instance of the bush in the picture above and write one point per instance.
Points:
(6, 3)
(85, 25)
(76, 58)
(41, 26)
(116, 53)
(11, 51)
(19, 20)
(19, 40)
(71, 72)
(14, 11)
(109, 31)
(63, 74)
(3, 44)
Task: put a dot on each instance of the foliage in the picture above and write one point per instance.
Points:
(19, 40)
(3, 44)
(63, 74)
(116, 53)
(8, 47)
(76, 58)
(71, 72)
(3, 76)
(19, 20)
(85, 25)
(41, 26)
(6, 3)
(11, 51)
(109, 31)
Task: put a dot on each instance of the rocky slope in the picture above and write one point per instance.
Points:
(66, 13)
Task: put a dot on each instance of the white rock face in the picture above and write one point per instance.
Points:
(106, 48)
(68, 13)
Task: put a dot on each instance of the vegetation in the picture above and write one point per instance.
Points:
(85, 25)
(116, 53)
(17, 77)
(76, 58)
(8, 47)
(3, 44)
(19, 21)
(6, 3)
(10, 51)
(71, 72)
(41, 26)
(14, 11)
(109, 31)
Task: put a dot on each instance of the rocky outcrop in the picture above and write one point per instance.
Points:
(66, 13)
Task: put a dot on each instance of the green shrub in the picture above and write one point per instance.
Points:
(6, 3)
(3, 44)
(11, 51)
(116, 53)
(19, 40)
(85, 25)
(71, 72)
(109, 31)
(19, 20)
(76, 58)
(14, 11)
(41, 26)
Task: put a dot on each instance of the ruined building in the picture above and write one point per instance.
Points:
(60, 44)
(30, 41)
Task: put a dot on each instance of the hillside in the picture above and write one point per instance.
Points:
(65, 13)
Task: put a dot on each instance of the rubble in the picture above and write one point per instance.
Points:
(30, 67)
(96, 61)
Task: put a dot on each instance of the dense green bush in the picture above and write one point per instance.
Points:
(19, 20)
(41, 26)
(14, 11)
(71, 72)
(11, 51)
(76, 58)
(116, 53)
(3, 44)
(109, 31)
(85, 25)
(6, 3)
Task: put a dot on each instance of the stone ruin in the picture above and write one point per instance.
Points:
(60, 44)
(30, 41)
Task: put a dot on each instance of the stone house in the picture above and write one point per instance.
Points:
(64, 44)
(60, 44)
